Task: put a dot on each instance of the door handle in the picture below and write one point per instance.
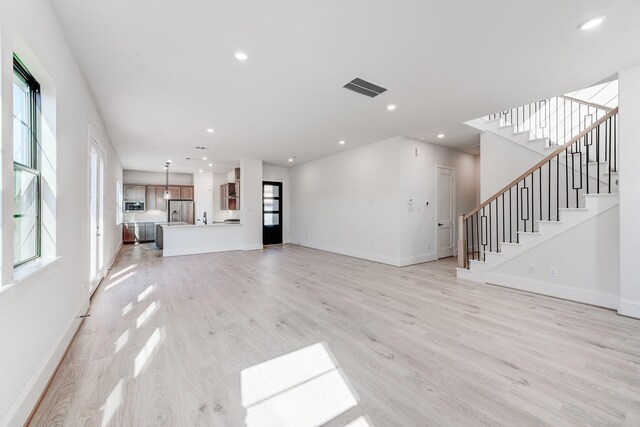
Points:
(440, 224)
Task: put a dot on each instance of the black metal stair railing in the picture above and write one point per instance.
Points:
(559, 119)
(586, 164)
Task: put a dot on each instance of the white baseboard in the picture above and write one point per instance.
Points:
(629, 308)
(253, 247)
(418, 259)
(30, 395)
(371, 256)
(554, 290)
(350, 252)
(112, 260)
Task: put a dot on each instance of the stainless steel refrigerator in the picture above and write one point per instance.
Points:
(181, 211)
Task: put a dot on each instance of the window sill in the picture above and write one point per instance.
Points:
(33, 269)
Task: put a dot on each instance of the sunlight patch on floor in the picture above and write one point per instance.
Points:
(303, 389)
(147, 314)
(122, 341)
(146, 293)
(118, 281)
(124, 270)
(112, 403)
(148, 351)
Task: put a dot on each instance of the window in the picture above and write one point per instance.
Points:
(118, 202)
(26, 168)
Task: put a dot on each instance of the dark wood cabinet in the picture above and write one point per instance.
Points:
(228, 197)
(174, 192)
(133, 232)
(186, 193)
(128, 233)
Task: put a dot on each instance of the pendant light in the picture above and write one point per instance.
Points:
(167, 195)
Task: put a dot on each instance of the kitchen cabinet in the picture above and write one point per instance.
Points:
(133, 232)
(174, 192)
(151, 198)
(228, 197)
(186, 193)
(141, 232)
(134, 193)
(161, 203)
(128, 233)
(150, 232)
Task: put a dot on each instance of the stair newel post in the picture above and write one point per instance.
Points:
(462, 252)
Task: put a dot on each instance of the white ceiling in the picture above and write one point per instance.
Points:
(162, 71)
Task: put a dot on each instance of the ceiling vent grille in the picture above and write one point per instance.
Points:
(364, 87)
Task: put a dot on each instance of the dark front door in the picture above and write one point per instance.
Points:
(271, 213)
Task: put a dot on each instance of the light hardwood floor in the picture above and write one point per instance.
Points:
(181, 341)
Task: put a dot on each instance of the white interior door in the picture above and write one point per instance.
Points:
(96, 214)
(445, 193)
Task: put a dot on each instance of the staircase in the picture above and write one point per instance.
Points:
(575, 181)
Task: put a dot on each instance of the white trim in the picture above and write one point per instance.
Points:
(629, 308)
(94, 141)
(416, 259)
(253, 247)
(453, 208)
(554, 290)
(29, 396)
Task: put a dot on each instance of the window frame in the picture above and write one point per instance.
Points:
(20, 71)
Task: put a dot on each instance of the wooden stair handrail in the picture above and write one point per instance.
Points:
(587, 103)
(542, 162)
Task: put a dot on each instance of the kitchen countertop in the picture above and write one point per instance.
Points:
(217, 224)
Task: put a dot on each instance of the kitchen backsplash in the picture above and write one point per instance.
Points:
(146, 216)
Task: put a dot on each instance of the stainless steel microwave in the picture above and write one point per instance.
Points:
(134, 206)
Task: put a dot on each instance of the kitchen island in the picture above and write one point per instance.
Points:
(188, 239)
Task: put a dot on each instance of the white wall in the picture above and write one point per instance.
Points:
(157, 178)
(501, 161)
(418, 223)
(251, 202)
(355, 202)
(629, 158)
(38, 315)
(281, 174)
(203, 196)
(585, 259)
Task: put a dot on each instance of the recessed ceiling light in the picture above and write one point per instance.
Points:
(210, 130)
(241, 56)
(342, 142)
(210, 164)
(291, 159)
(391, 107)
(591, 23)
(204, 158)
(200, 171)
(441, 135)
(169, 161)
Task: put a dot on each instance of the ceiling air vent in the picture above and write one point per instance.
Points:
(363, 87)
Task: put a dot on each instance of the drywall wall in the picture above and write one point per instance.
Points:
(417, 179)
(39, 315)
(355, 202)
(281, 174)
(347, 203)
(156, 178)
(203, 196)
(501, 161)
(581, 264)
(629, 134)
(251, 202)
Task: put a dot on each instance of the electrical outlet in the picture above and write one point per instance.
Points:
(531, 269)
(553, 272)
